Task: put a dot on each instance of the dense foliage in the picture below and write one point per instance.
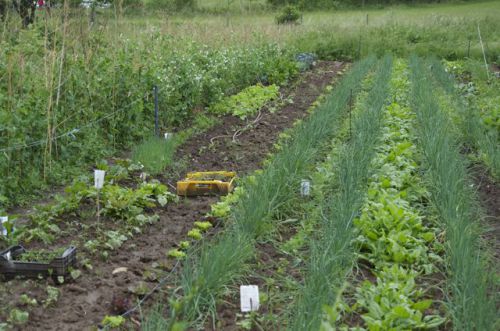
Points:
(334, 4)
(66, 103)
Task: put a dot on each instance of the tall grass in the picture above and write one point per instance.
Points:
(155, 154)
(331, 254)
(217, 264)
(473, 128)
(469, 277)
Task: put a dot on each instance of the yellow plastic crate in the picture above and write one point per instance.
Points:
(206, 183)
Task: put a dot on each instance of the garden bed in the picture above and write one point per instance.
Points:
(98, 292)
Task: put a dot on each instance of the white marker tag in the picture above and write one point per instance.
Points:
(99, 178)
(3, 219)
(305, 188)
(168, 135)
(249, 298)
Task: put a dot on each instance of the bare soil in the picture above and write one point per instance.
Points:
(84, 302)
(489, 198)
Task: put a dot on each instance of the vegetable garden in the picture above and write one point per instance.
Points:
(367, 193)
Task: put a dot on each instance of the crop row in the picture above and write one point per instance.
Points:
(331, 254)
(296, 224)
(395, 239)
(478, 120)
(72, 212)
(213, 266)
(469, 279)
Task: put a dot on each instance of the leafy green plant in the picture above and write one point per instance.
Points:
(26, 300)
(113, 321)
(175, 253)
(18, 317)
(194, 234)
(390, 304)
(52, 296)
(247, 102)
(392, 235)
(222, 208)
(203, 226)
(42, 256)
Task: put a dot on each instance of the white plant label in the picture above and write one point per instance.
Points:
(249, 298)
(99, 178)
(3, 219)
(305, 188)
(168, 135)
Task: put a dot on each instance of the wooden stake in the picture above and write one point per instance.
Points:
(484, 54)
(350, 116)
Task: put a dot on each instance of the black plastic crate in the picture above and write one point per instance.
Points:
(59, 266)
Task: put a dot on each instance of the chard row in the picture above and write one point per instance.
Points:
(473, 128)
(331, 253)
(394, 237)
(469, 279)
(217, 264)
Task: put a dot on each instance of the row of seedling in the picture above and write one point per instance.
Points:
(397, 243)
(469, 297)
(331, 254)
(479, 131)
(220, 262)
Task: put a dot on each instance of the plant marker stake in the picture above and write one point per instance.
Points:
(3, 219)
(350, 116)
(305, 188)
(155, 89)
(99, 183)
(359, 47)
(468, 50)
(484, 54)
(249, 298)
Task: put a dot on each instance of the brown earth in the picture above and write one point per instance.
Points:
(489, 198)
(84, 302)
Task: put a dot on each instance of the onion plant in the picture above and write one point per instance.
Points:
(473, 128)
(217, 264)
(469, 280)
(331, 254)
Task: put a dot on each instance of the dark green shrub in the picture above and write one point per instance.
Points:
(289, 14)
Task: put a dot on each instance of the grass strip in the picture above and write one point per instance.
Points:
(155, 154)
(331, 254)
(216, 264)
(469, 279)
(475, 132)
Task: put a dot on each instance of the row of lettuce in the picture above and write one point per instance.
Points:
(394, 237)
(63, 107)
(375, 254)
